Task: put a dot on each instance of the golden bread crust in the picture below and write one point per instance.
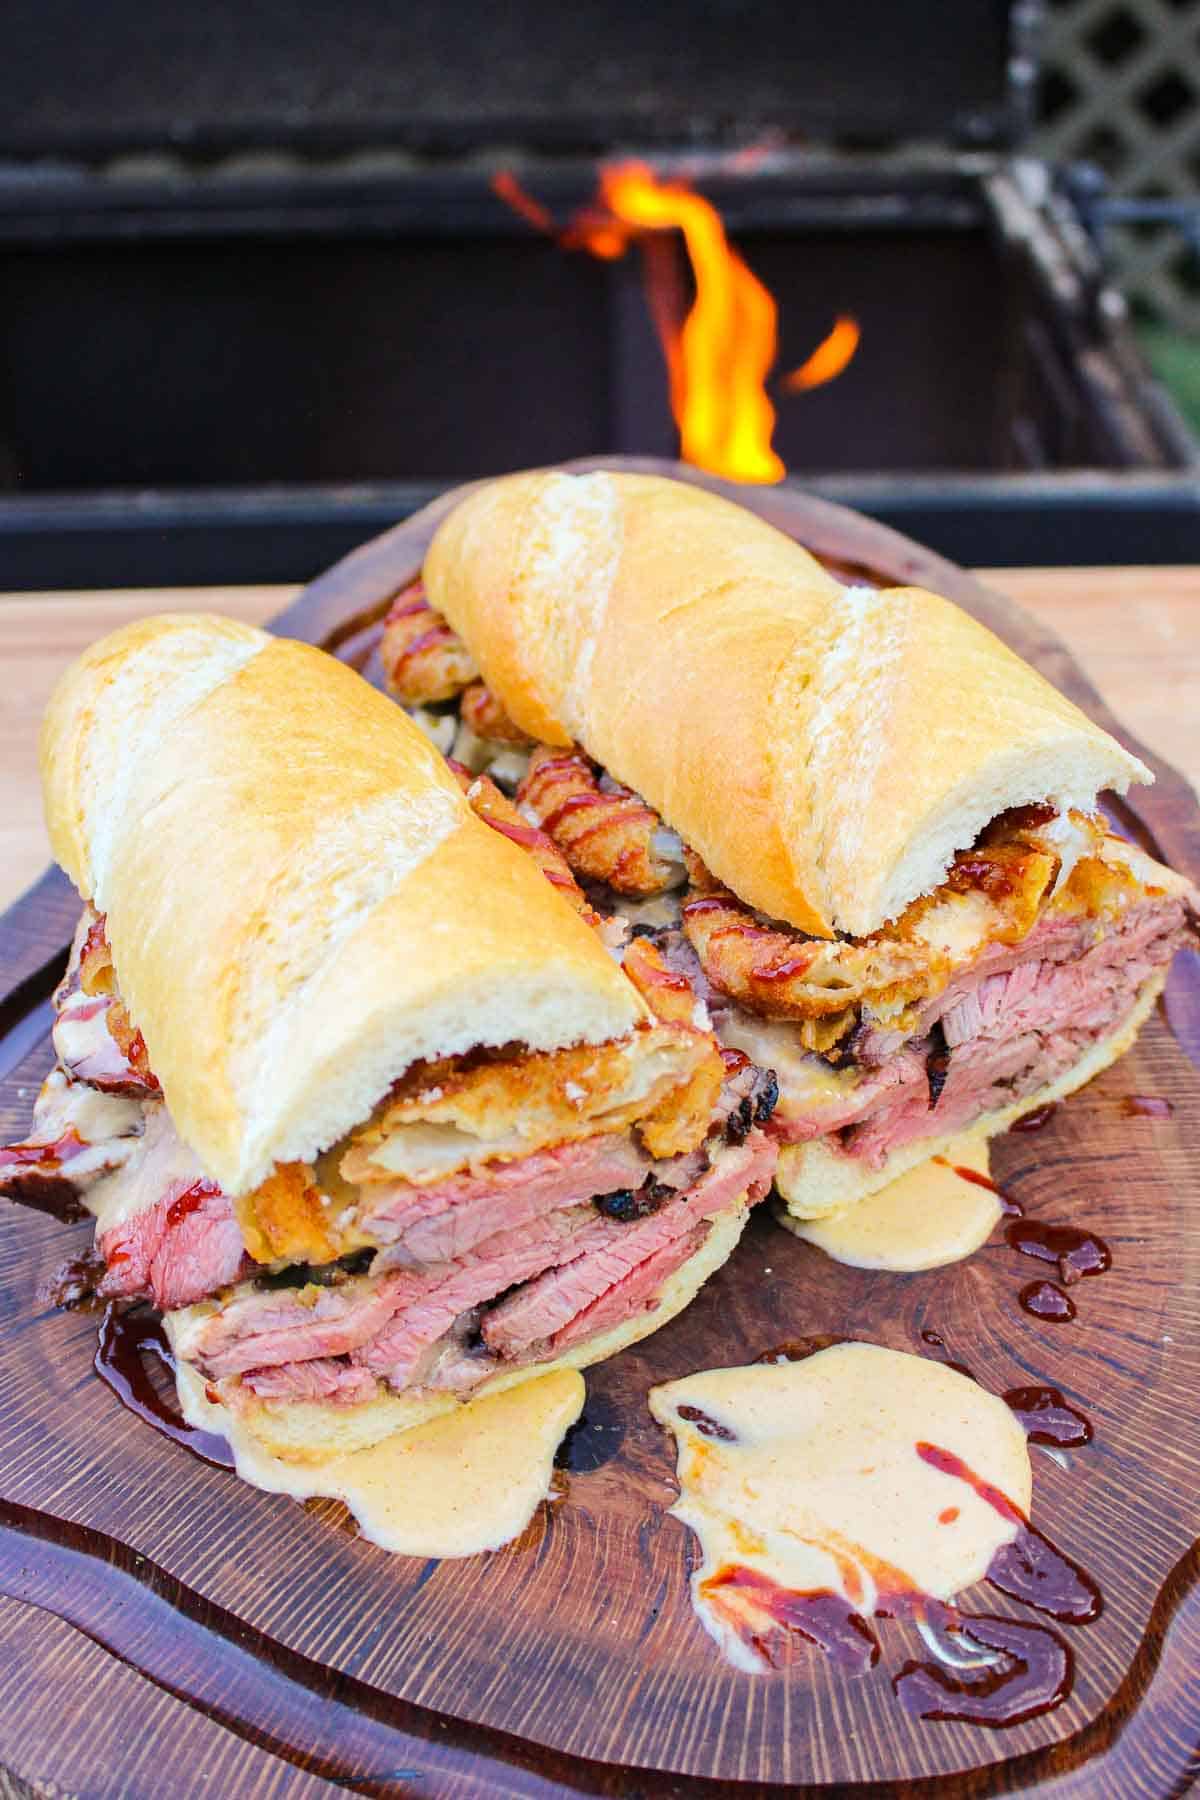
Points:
(824, 750)
(300, 901)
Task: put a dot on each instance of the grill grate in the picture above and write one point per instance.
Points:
(1121, 88)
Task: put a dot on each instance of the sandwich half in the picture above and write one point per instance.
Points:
(355, 1091)
(864, 828)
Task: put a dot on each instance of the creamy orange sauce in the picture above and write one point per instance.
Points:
(922, 1220)
(807, 1474)
(465, 1482)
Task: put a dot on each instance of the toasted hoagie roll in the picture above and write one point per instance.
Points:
(356, 1096)
(888, 868)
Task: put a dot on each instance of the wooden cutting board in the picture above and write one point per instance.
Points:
(170, 1630)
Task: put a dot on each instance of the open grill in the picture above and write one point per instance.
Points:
(282, 313)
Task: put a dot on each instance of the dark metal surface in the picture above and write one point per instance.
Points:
(262, 534)
(300, 74)
(195, 330)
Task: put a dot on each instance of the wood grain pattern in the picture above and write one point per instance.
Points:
(260, 1647)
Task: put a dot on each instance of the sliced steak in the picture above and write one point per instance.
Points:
(324, 1379)
(429, 1304)
(184, 1248)
(635, 1293)
(449, 1218)
(901, 1078)
(166, 1232)
(262, 1329)
(1016, 1024)
(416, 1327)
(545, 1307)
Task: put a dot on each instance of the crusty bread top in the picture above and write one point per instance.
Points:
(300, 902)
(824, 749)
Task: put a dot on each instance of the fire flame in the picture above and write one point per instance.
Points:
(506, 185)
(828, 359)
(719, 358)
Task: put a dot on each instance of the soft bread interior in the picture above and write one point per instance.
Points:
(300, 902)
(814, 1181)
(824, 750)
(304, 1432)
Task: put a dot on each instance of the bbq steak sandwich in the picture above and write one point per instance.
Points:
(355, 1091)
(863, 829)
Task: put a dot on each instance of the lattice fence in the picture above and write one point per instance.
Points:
(1121, 88)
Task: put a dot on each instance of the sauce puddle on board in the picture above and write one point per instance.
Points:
(129, 1339)
(939, 1213)
(863, 1481)
(467, 1481)
(1074, 1253)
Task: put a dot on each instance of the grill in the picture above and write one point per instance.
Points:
(260, 297)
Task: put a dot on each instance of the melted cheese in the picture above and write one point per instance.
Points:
(816, 1483)
(957, 926)
(160, 1160)
(463, 1483)
(804, 1080)
(922, 1220)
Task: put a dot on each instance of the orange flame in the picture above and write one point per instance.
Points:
(828, 359)
(718, 361)
(719, 358)
(506, 185)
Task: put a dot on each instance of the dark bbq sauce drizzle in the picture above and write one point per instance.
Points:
(1034, 1668)
(1048, 1418)
(594, 1439)
(1046, 1301)
(125, 1338)
(822, 1617)
(1012, 1207)
(1043, 1412)
(1076, 1253)
(706, 1425)
(1030, 1568)
(1033, 1673)
(74, 1285)
(798, 1349)
(1146, 1106)
(1037, 1119)
(1031, 1669)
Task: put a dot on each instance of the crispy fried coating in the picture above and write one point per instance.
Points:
(497, 810)
(284, 1219)
(482, 712)
(605, 833)
(424, 660)
(543, 1097)
(685, 1117)
(994, 893)
(97, 977)
(785, 975)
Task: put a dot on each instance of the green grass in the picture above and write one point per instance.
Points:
(1174, 356)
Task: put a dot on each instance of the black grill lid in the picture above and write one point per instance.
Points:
(87, 80)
